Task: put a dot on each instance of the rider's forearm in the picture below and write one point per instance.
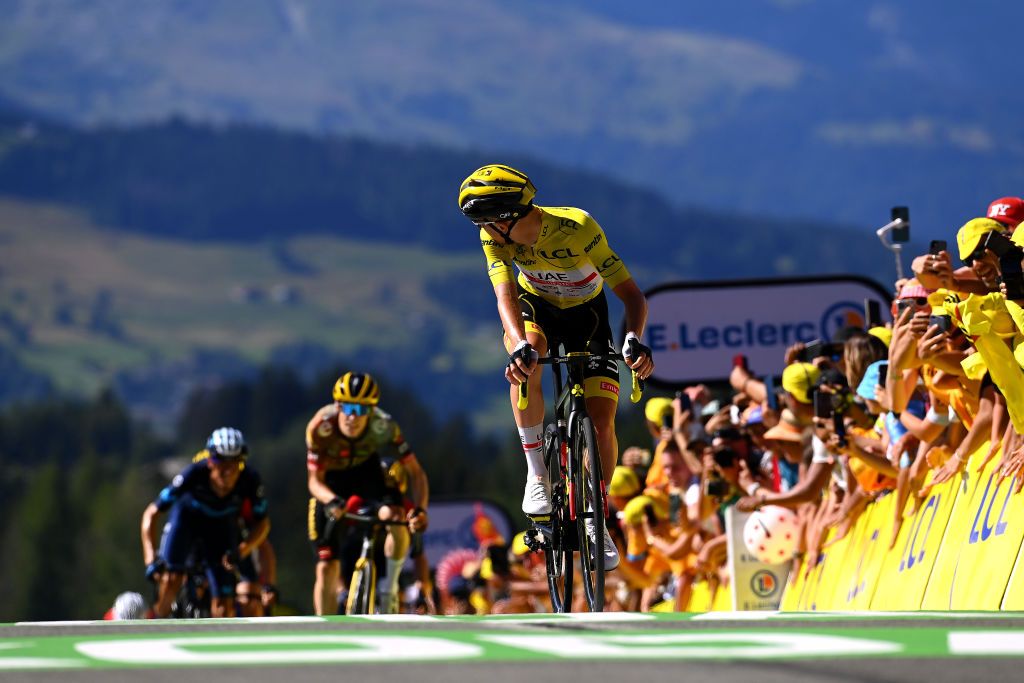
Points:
(508, 310)
(319, 489)
(257, 535)
(149, 541)
(419, 486)
(635, 304)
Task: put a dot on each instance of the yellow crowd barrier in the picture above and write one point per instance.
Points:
(960, 549)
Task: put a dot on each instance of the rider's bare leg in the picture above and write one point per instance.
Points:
(325, 588)
(602, 413)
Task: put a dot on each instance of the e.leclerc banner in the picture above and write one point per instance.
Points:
(696, 328)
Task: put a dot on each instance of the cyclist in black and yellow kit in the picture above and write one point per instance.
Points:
(564, 259)
(345, 442)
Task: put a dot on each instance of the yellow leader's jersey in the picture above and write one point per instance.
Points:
(568, 264)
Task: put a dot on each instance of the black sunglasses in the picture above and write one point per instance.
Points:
(973, 256)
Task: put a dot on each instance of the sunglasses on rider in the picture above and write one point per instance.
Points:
(355, 409)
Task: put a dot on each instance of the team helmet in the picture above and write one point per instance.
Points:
(357, 387)
(496, 193)
(227, 443)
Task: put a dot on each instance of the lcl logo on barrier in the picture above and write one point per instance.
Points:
(909, 558)
(1000, 526)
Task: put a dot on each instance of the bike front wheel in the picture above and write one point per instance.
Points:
(558, 550)
(361, 588)
(589, 503)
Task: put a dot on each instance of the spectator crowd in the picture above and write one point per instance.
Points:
(887, 409)
(883, 409)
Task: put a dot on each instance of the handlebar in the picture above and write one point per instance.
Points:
(634, 395)
(371, 519)
(362, 519)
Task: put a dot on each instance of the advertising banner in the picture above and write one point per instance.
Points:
(755, 584)
(939, 593)
(695, 329)
(860, 585)
(990, 545)
(907, 568)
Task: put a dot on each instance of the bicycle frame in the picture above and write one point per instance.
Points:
(584, 485)
(373, 528)
(570, 402)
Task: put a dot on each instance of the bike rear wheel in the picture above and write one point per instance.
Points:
(558, 550)
(589, 503)
(361, 588)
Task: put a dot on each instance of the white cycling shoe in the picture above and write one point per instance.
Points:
(611, 554)
(537, 497)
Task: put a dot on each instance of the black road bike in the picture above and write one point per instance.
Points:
(577, 485)
(362, 587)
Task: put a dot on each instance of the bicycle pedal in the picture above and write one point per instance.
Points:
(540, 518)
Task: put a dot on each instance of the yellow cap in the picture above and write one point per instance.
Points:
(883, 333)
(624, 482)
(1018, 238)
(799, 378)
(659, 499)
(969, 236)
(519, 546)
(656, 408)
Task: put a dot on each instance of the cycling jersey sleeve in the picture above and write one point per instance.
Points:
(255, 494)
(609, 266)
(399, 443)
(180, 485)
(499, 259)
(319, 429)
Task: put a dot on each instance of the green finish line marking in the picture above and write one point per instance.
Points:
(389, 647)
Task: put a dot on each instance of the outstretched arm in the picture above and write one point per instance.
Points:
(635, 304)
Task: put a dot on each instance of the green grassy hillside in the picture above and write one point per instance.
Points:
(86, 305)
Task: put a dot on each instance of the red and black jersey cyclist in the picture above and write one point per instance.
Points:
(345, 443)
(205, 502)
(563, 261)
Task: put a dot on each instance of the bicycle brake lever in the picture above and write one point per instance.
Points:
(524, 399)
(638, 389)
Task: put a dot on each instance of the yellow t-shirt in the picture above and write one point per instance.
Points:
(568, 264)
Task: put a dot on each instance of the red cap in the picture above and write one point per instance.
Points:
(1007, 210)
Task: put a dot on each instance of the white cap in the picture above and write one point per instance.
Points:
(129, 605)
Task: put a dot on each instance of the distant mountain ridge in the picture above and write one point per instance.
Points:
(197, 182)
(758, 107)
(212, 250)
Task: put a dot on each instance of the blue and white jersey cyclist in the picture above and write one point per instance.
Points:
(204, 503)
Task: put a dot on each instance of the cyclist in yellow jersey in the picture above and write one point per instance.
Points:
(564, 260)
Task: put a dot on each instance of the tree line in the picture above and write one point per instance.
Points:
(76, 474)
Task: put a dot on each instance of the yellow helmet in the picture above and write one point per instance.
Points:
(356, 387)
(496, 193)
